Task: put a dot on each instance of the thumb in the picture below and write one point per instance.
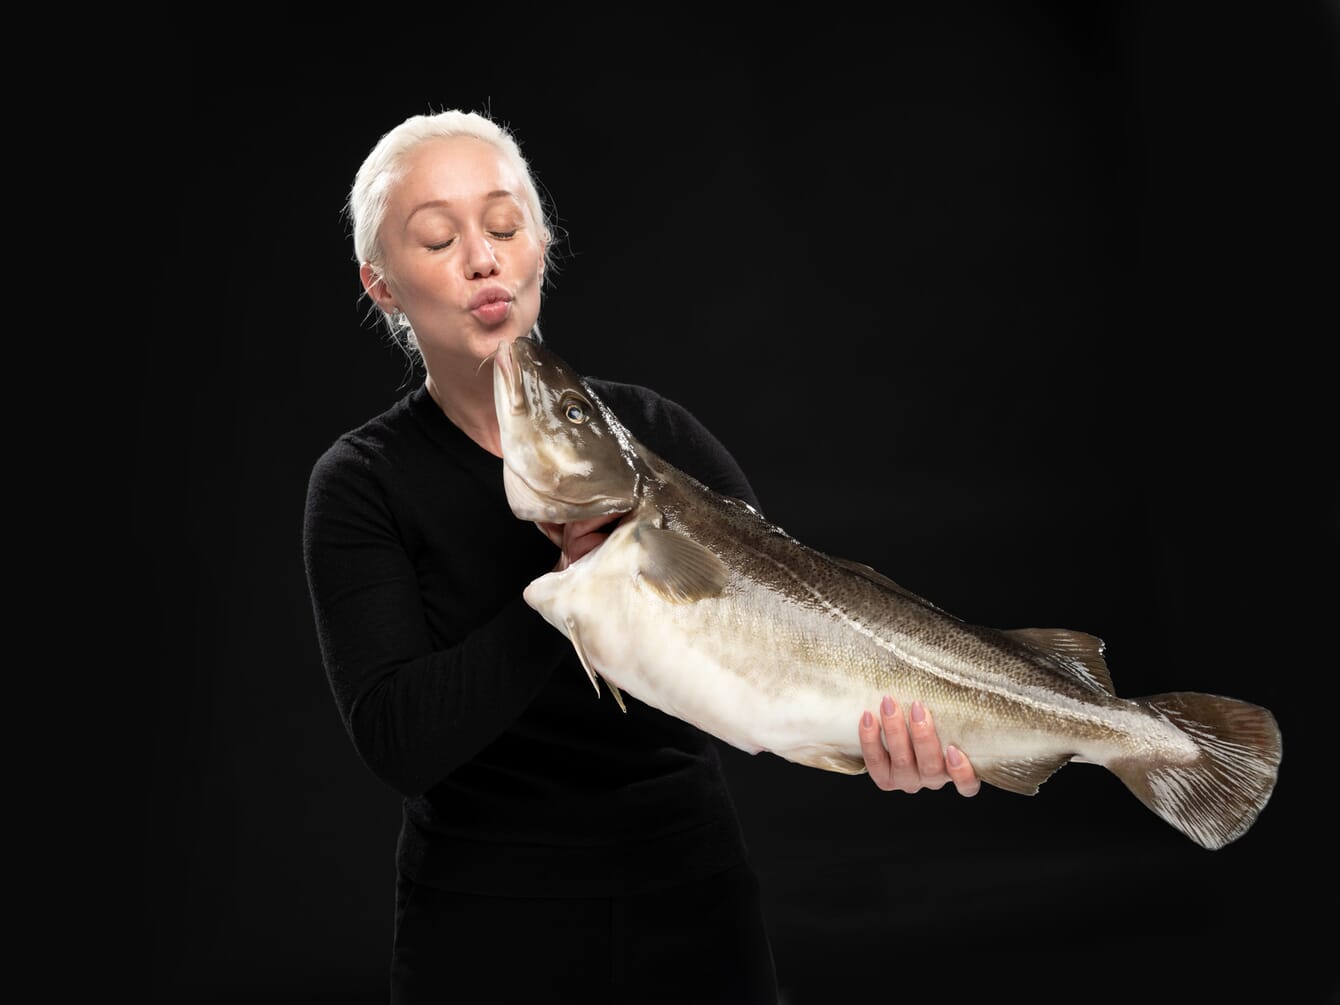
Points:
(553, 531)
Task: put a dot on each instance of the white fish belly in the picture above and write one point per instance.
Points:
(716, 663)
(748, 669)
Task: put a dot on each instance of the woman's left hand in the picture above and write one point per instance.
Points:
(579, 537)
(910, 758)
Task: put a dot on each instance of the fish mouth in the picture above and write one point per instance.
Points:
(507, 390)
(530, 503)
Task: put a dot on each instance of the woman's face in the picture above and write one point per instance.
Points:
(463, 256)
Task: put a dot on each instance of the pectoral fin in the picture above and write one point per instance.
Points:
(576, 640)
(677, 568)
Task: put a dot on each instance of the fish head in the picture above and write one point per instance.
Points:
(565, 455)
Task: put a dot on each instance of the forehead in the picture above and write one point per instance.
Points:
(454, 169)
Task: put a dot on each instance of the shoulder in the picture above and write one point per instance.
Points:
(677, 435)
(642, 408)
(359, 455)
(661, 423)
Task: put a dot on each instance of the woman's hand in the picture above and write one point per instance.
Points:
(910, 758)
(577, 538)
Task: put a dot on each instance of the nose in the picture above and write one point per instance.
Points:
(480, 259)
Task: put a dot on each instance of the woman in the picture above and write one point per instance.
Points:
(547, 846)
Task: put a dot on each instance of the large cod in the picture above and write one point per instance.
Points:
(698, 606)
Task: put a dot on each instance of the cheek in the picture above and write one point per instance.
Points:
(532, 262)
(536, 279)
(528, 299)
(423, 281)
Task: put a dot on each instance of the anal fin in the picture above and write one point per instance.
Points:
(1021, 776)
(827, 760)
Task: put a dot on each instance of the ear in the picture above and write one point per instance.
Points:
(375, 284)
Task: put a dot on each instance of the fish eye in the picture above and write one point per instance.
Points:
(575, 410)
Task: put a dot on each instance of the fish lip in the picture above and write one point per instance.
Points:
(488, 295)
(625, 505)
(505, 364)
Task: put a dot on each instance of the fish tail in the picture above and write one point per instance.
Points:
(1214, 798)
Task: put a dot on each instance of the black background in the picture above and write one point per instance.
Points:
(1028, 305)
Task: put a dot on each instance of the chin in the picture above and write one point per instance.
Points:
(487, 343)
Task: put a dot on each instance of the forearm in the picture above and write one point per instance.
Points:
(428, 659)
(417, 722)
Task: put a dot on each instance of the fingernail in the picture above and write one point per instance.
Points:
(887, 706)
(918, 712)
(867, 720)
(953, 756)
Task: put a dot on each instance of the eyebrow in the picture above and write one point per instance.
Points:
(497, 193)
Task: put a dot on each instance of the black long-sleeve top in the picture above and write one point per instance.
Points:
(517, 779)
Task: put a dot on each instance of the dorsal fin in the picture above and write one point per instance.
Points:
(1079, 653)
(678, 569)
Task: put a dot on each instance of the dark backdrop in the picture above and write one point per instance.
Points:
(1027, 305)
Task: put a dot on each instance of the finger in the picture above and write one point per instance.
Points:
(559, 532)
(872, 749)
(583, 527)
(553, 531)
(961, 772)
(902, 756)
(926, 743)
(577, 546)
(583, 536)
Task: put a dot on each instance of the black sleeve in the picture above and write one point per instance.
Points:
(413, 712)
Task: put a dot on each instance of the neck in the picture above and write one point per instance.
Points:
(466, 398)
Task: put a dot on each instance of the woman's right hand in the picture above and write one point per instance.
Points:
(577, 538)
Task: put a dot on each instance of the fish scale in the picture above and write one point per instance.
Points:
(699, 607)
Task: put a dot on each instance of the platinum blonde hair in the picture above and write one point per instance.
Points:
(383, 167)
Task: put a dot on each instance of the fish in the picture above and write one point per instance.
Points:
(697, 605)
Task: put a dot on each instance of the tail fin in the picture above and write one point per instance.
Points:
(1214, 799)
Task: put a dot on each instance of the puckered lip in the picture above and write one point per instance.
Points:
(489, 295)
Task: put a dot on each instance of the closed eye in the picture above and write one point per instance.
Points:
(497, 235)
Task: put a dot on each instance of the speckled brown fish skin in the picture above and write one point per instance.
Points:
(700, 607)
